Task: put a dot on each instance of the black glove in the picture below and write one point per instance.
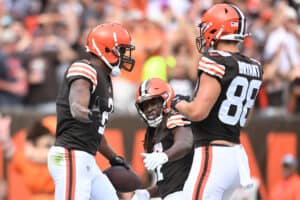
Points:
(119, 161)
(94, 114)
(177, 99)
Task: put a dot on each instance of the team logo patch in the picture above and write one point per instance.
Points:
(57, 158)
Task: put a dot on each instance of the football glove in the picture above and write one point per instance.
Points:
(154, 159)
(141, 195)
(95, 114)
(119, 161)
(177, 99)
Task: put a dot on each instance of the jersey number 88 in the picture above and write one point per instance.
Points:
(242, 102)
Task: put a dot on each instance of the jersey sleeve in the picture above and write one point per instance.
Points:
(177, 120)
(210, 66)
(82, 70)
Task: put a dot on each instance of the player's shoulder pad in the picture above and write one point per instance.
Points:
(83, 68)
(213, 63)
(256, 61)
(215, 53)
(176, 120)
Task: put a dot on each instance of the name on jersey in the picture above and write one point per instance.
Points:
(249, 69)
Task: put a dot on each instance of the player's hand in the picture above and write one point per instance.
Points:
(177, 99)
(119, 161)
(155, 159)
(141, 195)
(95, 114)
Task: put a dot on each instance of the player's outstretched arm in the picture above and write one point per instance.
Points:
(183, 143)
(79, 99)
(106, 150)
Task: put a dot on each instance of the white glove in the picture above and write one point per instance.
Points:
(155, 159)
(141, 195)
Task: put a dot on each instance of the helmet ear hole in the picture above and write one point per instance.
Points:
(107, 50)
(213, 31)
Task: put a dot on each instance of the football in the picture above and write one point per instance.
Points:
(124, 180)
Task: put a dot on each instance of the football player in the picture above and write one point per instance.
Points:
(228, 83)
(84, 103)
(168, 141)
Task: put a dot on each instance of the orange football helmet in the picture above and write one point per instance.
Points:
(112, 43)
(221, 22)
(150, 89)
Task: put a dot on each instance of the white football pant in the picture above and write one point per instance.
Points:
(77, 176)
(216, 172)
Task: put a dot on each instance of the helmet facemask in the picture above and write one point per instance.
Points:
(200, 41)
(124, 53)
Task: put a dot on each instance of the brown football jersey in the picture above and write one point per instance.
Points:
(240, 78)
(172, 175)
(70, 132)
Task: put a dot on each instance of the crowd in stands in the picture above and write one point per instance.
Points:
(25, 155)
(40, 38)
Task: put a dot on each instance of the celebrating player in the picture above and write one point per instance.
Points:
(84, 102)
(227, 85)
(168, 141)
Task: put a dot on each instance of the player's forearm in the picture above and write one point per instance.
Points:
(178, 150)
(192, 111)
(183, 143)
(80, 113)
(178, 153)
(106, 150)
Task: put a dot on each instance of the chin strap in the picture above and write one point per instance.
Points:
(154, 123)
(115, 71)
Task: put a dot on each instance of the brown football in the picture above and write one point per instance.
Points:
(124, 180)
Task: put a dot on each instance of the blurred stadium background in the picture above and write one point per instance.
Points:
(40, 38)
